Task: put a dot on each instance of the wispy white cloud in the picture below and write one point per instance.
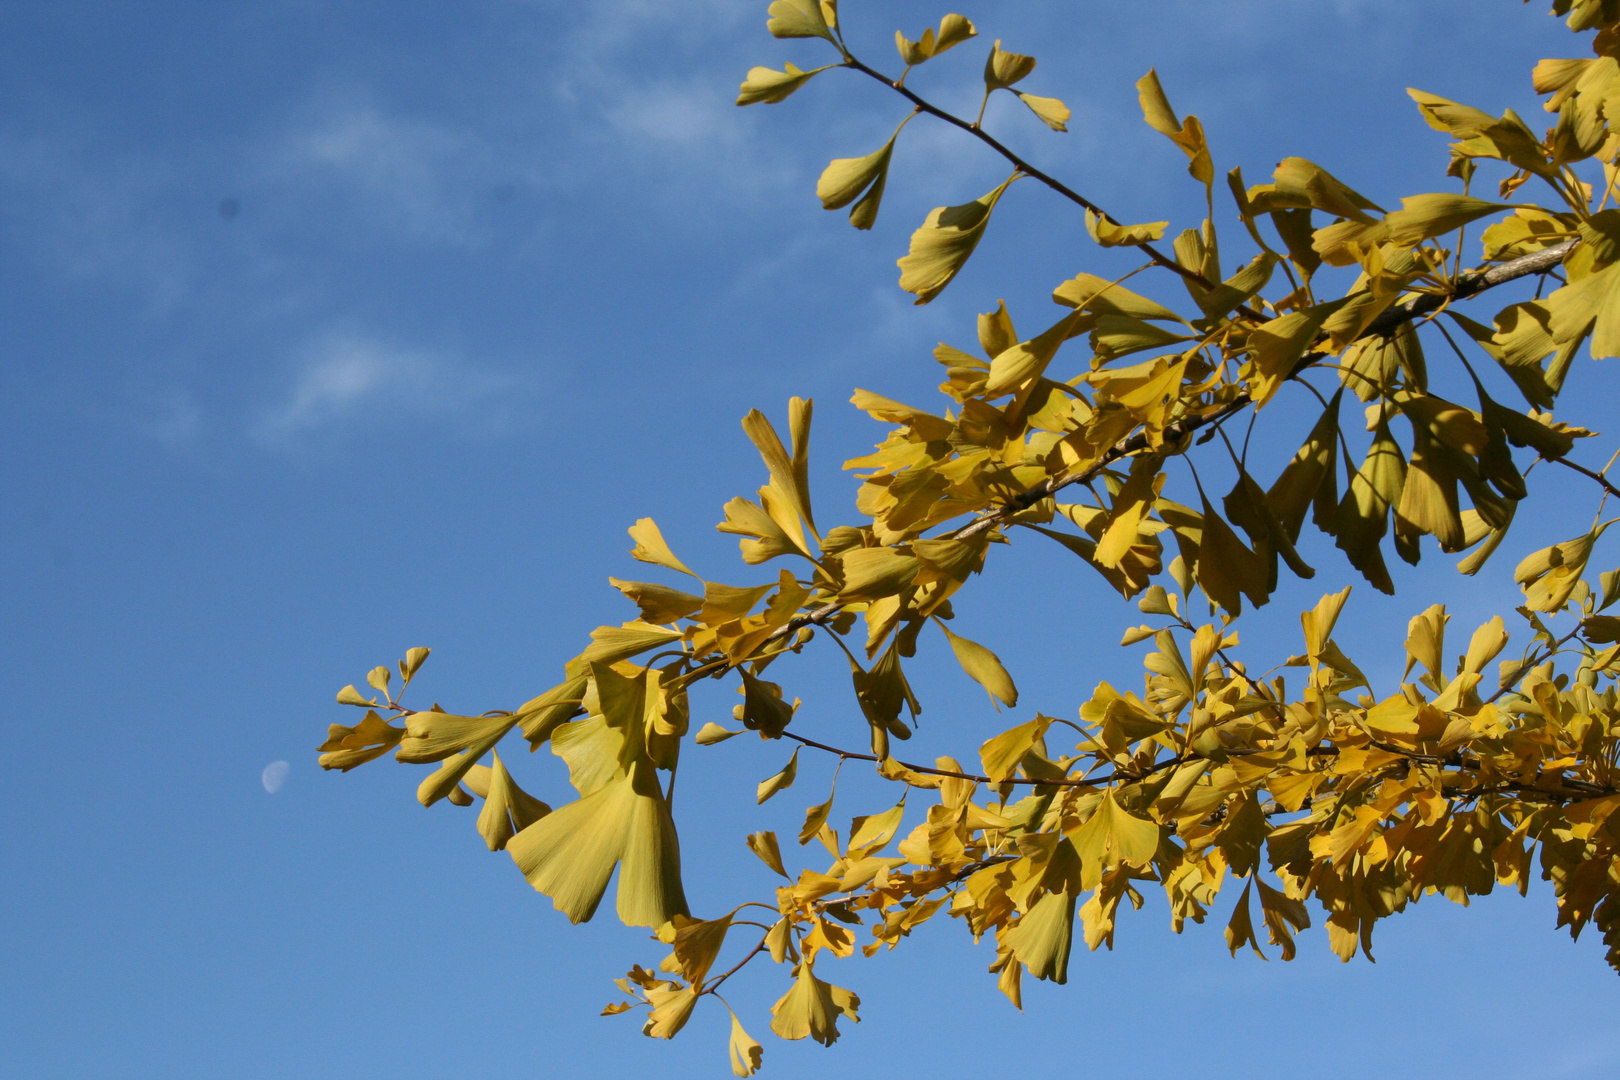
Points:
(413, 176)
(348, 378)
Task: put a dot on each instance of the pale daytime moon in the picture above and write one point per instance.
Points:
(274, 775)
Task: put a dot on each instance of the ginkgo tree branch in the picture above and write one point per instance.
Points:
(1127, 775)
(1469, 285)
(1602, 480)
(1017, 162)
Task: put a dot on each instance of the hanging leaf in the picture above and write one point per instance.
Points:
(1052, 112)
(846, 178)
(943, 245)
(812, 1008)
(781, 780)
(983, 667)
(570, 853)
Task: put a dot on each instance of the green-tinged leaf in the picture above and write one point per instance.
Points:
(1590, 305)
(781, 780)
(764, 709)
(983, 666)
(1278, 346)
(873, 573)
(1363, 515)
(610, 644)
(1042, 937)
(1018, 363)
(1436, 214)
(1228, 570)
(1549, 576)
(1103, 297)
(1311, 470)
(771, 86)
(570, 854)
(712, 733)
(943, 245)
(846, 178)
(797, 19)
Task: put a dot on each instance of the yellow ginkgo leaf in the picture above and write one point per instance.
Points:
(671, 1009)
(1042, 937)
(570, 854)
(983, 666)
(1002, 69)
(746, 1052)
(846, 178)
(1001, 755)
(771, 86)
(953, 30)
(1423, 216)
(943, 245)
(812, 1008)
(798, 19)
(508, 809)
(781, 780)
(765, 846)
(1053, 113)
(1109, 234)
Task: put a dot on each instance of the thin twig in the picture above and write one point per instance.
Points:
(1026, 168)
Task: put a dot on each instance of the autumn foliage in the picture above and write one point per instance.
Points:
(1302, 792)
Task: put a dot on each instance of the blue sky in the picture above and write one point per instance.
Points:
(333, 329)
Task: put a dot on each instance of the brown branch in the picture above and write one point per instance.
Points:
(711, 987)
(1027, 169)
(1584, 471)
(1099, 781)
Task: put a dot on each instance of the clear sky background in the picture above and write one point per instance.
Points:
(332, 329)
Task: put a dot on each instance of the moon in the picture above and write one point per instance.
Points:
(274, 775)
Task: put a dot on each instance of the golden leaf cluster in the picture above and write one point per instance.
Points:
(1301, 787)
